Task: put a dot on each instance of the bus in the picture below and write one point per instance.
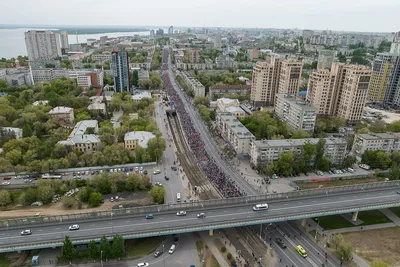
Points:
(301, 251)
(260, 207)
(51, 176)
(178, 197)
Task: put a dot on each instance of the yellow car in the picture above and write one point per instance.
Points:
(301, 251)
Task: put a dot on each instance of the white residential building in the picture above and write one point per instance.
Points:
(16, 131)
(225, 62)
(223, 103)
(64, 40)
(198, 89)
(83, 139)
(235, 133)
(387, 142)
(88, 78)
(141, 95)
(45, 75)
(138, 138)
(42, 45)
(298, 114)
(264, 152)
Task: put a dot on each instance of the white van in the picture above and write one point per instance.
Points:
(172, 249)
(260, 207)
(178, 197)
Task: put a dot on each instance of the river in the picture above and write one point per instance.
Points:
(12, 41)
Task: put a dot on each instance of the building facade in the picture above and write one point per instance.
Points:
(171, 30)
(88, 78)
(62, 115)
(84, 136)
(320, 90)
(120, 71)
(198, 89)
(235, 133)
(380, 76)
(42, 45)
(227, 89)
(290, 76)
(264, 152)
(138, 138)
(64, 40)
(392, 92)
(387, 142)
(297, 113)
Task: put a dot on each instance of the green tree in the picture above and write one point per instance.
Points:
(300, 134)
(394, 172)
(345, 250)
(134, 182)
(118, 247)
(69, 202)
(5, 198)
(158, 193)
(336, 240)
(284, 164)
(82, 116)
(378, 263)
(94, 252)
(68, 251)
(156, 147)
(319, 156)
(45, 193)
(135, 78)
(84, 194)
(106, 248)
(202, 100)
(95, 199)
(349, 161)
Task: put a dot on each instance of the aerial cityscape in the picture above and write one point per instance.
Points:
(201, 140)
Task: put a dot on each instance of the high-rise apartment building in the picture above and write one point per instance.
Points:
(325, 59)
(272, 76)
(217, 42)
(392, 92)
(64, 40)
(171, 30)
(320, 90)
(290, 77)
(341, 92)
(152, 33)
(395, 46)
(42, 45)
(120, 70)
(380, 76)
(307, 35)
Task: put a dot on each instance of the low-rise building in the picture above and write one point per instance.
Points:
(227, 89)
(138, 138)
(88, 78)
(16, 76)
(45, 75)
(235, 133)
(41, 103)
(198, 89)
(105, 56)
(297, 113)
(62, 114)
(264, 152)
(225, 62)
(141, 95)
(16, 131)
(387, 142)
(236, 111)
(97, 104)
(223, 103)
(84, 136)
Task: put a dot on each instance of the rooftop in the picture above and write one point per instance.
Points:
(142, 136)
(61, 110)
(235, 125)
(227, 101)
(378, 136)
(141, 95)
(81, 127)
(234, 110)
(230, 87)
(297, 142)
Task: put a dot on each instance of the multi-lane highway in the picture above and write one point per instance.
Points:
(210, 145)
(217, 217)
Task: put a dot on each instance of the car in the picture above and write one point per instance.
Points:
(344, 171)
(280, 242)
(149, 216)
(117, 198)
(350, 169)
(145, 172)
(26, 232)
(136, 169)
(173, 168)
(112, 199)
(301, 251)
(166, 178)
(158, 253)
(141, 168)
(181, 213)
(201, 215)
(143, 264)
(28, 181)
(156, 172)
(5, 183)
(158, 184)
(320, 173)
(74, 227)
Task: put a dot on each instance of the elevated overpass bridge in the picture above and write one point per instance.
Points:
(49, 232)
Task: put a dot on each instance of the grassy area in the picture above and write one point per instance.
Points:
(339, 182)
(199, 246)
(373, 217)
(4, 261)
(214, 262)
(333, 222)
(137, 248)
(396, 211)
(338, 221)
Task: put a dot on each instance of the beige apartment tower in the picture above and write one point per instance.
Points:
(290, 77)
(272, 76)
(341, 92)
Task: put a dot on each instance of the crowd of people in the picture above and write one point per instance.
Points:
(214, 173)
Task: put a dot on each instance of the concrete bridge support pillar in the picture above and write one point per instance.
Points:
(211, 232)
(303, 222)
(355, 215)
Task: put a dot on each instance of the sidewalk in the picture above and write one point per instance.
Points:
(209, 241)
(359, 228)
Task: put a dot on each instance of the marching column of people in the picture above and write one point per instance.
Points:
(210, 168)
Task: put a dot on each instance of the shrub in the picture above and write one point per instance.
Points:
(233, 262)
(223, 249)
(229, 256)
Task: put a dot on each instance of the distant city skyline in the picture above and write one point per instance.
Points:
(340, 15)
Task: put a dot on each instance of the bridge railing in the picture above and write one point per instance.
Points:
(196, 205)
(58, 241)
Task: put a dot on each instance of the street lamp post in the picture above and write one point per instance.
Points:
(316, 229)
(112, 225)
(260, 230)
(163, 254)
(101, 258)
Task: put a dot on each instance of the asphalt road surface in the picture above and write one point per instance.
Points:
(232, 213)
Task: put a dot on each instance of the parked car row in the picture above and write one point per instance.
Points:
(320, 173)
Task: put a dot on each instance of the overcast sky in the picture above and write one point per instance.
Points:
(348, 15)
